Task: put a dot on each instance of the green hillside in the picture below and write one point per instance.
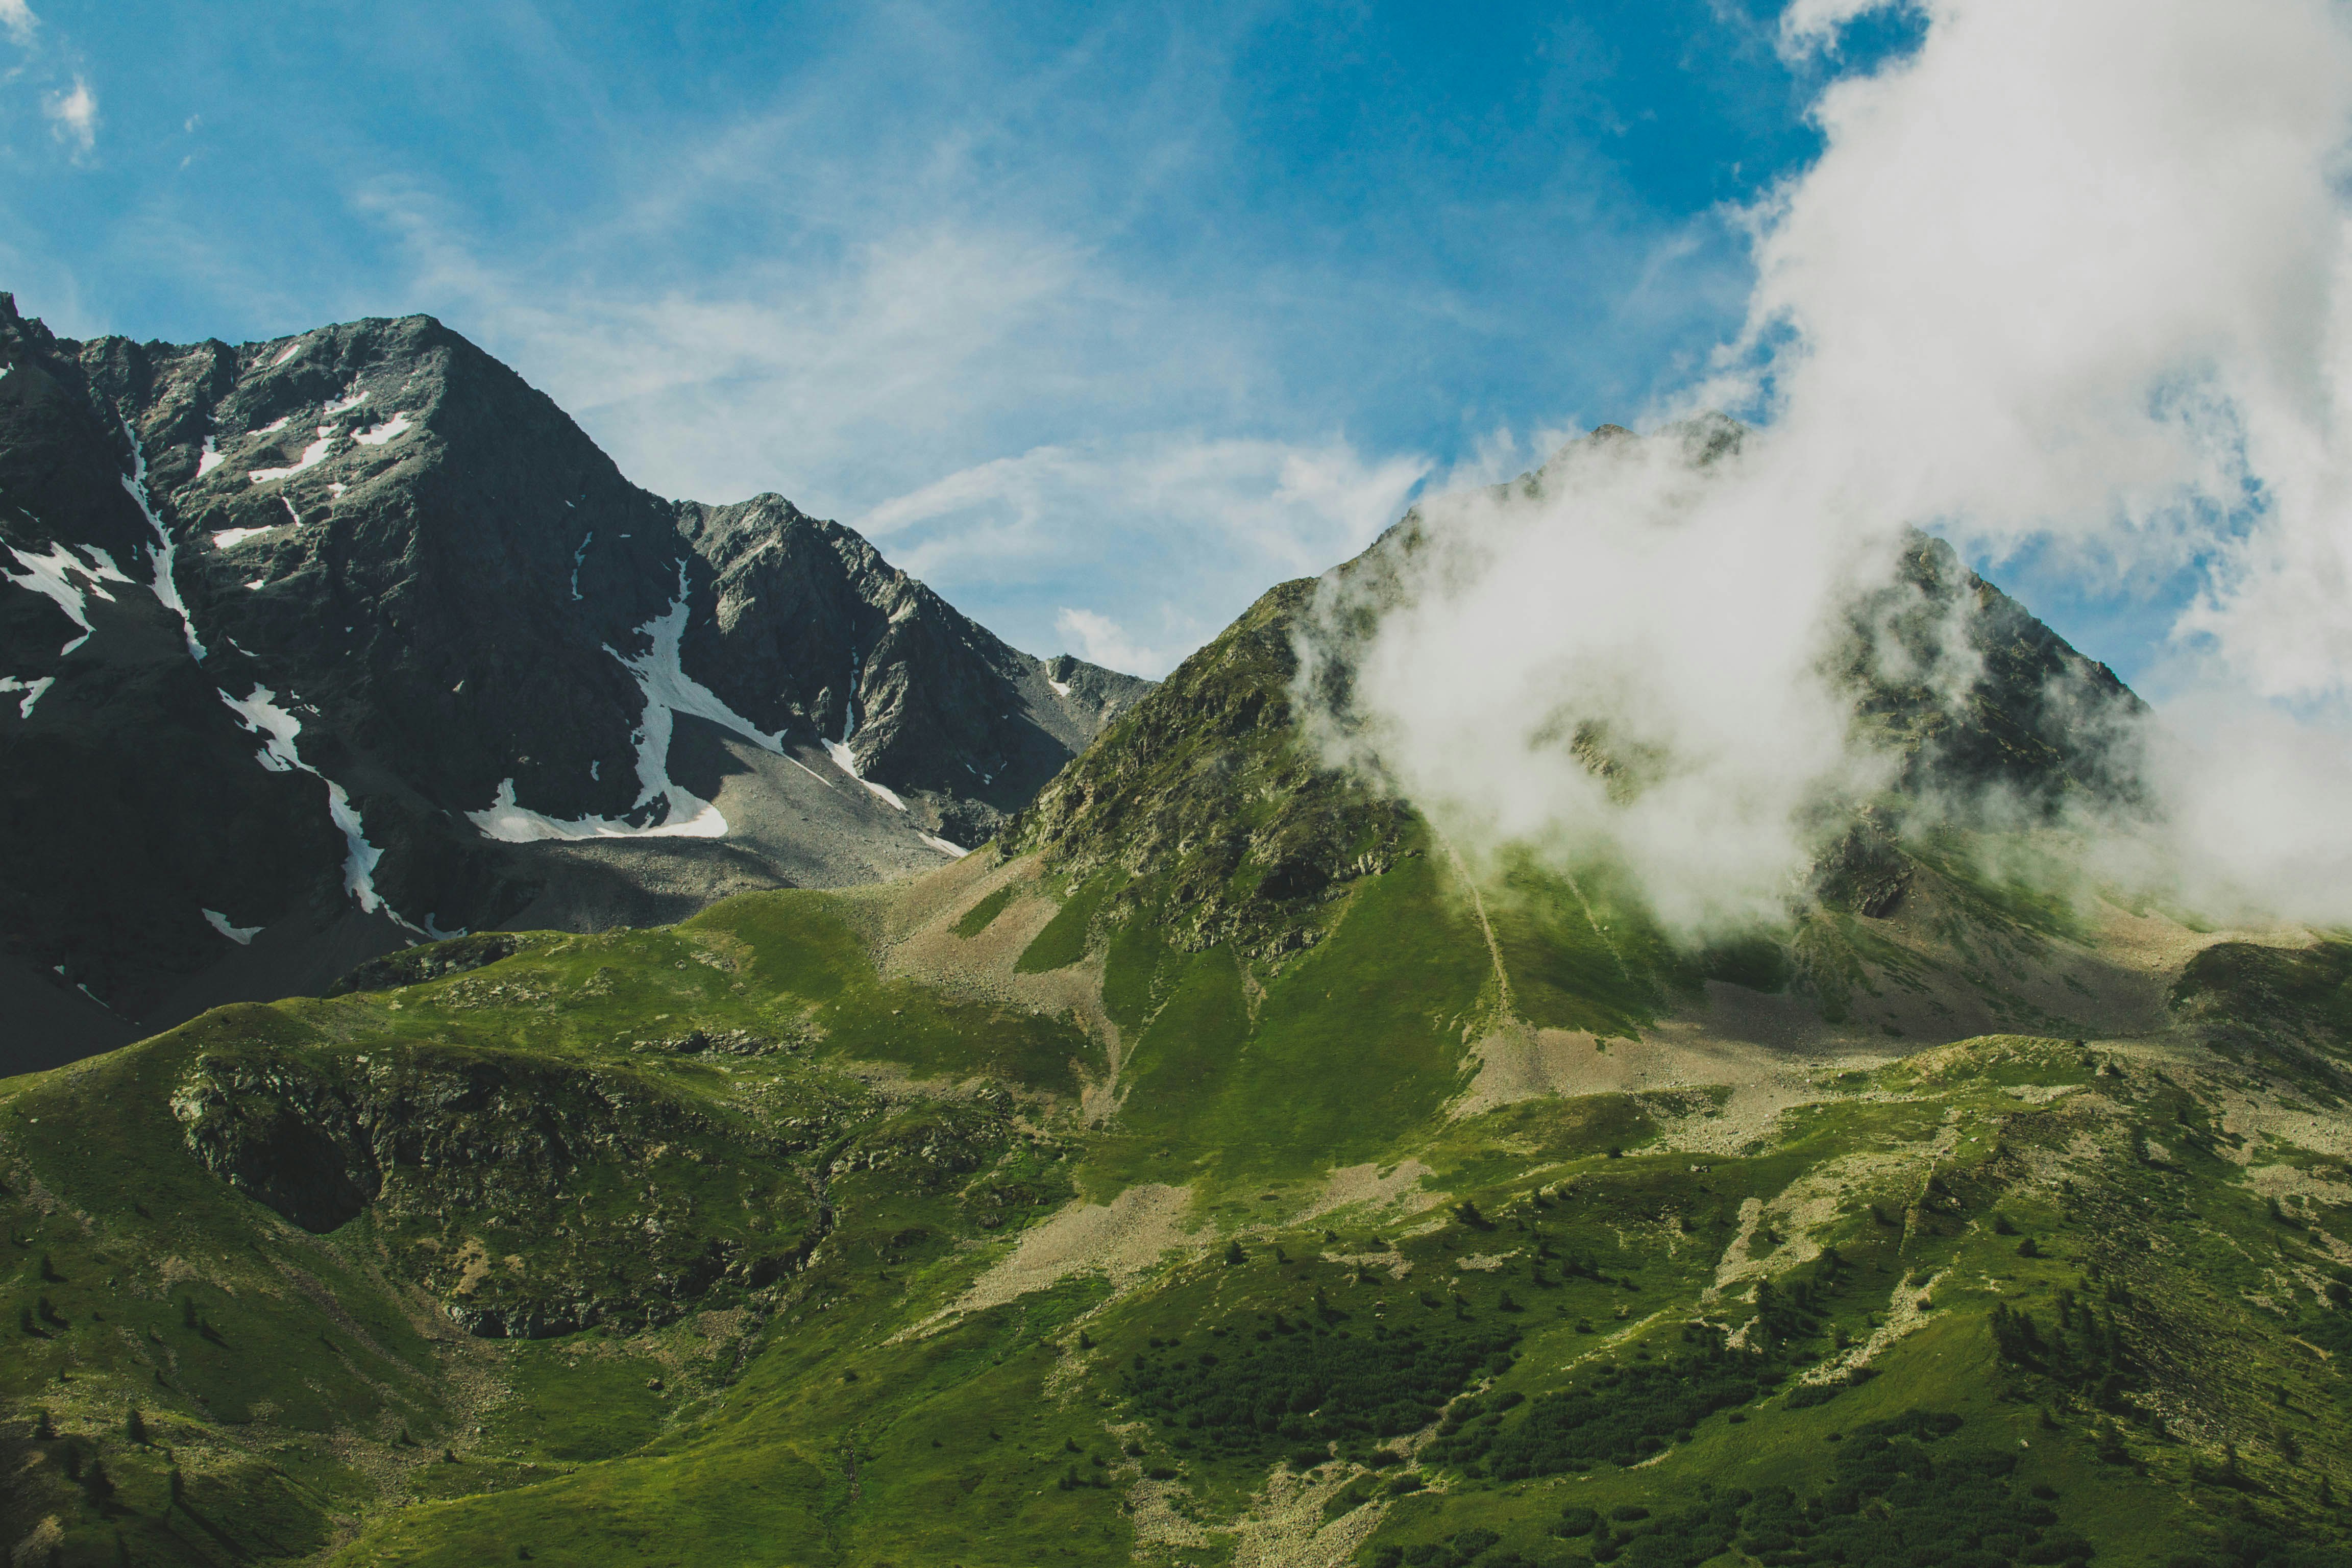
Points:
(784, 1236)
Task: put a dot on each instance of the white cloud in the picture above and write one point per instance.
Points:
(16, 19)
(73, 116)
(1636, 593)
(1197, 526)
(1811, 24)
(1293, 510)
(2077, 276)
(1100, 640)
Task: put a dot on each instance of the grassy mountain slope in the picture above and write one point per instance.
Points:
(804, 1264)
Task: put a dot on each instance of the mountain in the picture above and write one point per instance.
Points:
(1216, 1168)
(320, 647)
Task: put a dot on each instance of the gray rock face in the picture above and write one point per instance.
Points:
(355, 637)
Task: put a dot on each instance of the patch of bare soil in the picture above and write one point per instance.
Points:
(2003, 978)
(1374, 1189)
(1765, 1077)
(1121, 1239)
(1735, 1262)
(1813, 1201)
(885, 912)
(2160, 946)
(1160, 1526)
(1283, 1526)
(1905, 1316)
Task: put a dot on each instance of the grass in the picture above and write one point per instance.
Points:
(1063, 939)
(1255, 1098)
(798, 947)
(1582, 953)
(1574, 1301)
(983, 915)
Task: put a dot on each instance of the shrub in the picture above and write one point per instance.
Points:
(1301, 1386)
(1626, 1414)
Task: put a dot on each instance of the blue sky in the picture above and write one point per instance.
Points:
(1099, 320)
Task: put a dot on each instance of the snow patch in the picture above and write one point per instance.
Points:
(209, 459)
(1061, 688)
(397, 424)
(510, 823)
(275, 424)
(577, 557)
(335, 489)
(333, 406)
(31, 688)
(48, 575)
(261, 714)
(312, 455)
(843, 757)
(241, 935)
(668, 691)
(257, 582)
(230, 538)
(162, 551)
(359, 857)
(846, 761)
(291, 350)
(105, 566)
(953, 851)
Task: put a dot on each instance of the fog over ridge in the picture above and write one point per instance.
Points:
(2073, 279)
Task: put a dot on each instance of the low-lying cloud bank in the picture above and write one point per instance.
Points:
(2073, 276)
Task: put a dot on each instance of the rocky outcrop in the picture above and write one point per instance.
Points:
(428, 961)
(1208, 807)
(528, 1197)
(1976, 696)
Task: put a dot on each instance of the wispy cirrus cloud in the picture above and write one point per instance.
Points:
(911, 354)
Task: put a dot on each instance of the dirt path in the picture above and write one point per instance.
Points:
(1508, 1018)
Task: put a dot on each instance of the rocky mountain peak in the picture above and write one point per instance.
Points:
(382, 635)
